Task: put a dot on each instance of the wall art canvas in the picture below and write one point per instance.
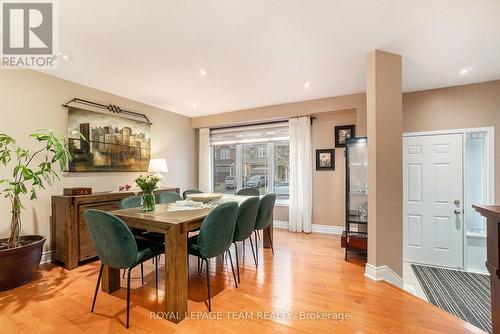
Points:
(112, 143)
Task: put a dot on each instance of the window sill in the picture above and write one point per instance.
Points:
(282, 202)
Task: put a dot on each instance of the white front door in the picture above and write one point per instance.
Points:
(433, 197)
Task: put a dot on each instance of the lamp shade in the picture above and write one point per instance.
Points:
(157, 166)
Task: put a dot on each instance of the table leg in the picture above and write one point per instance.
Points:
(110, 279)
(176, 275)
(266, 232)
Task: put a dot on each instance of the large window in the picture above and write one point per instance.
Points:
(254, 157)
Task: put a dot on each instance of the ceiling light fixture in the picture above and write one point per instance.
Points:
(195, 106)
(203, 72)
(64, 56)
(307, 84)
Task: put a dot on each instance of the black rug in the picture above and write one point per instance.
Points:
(465, 295)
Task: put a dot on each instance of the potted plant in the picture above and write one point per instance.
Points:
(31, 171)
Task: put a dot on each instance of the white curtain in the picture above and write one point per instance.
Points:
(204, 161)
(300, 204)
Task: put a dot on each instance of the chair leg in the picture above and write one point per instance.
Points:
(97, 287)
(237, 261)
(270, 240)
(208, 286)
(124, 270)
(156, 274)
(256, 248)
(142, 274)
(253, 252)
(232, 267)
(198, 266)
(128, 296)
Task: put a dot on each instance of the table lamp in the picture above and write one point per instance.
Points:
(158, 166)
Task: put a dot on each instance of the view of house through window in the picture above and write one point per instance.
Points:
(251, 157)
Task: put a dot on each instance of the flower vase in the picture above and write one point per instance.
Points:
(148, 201)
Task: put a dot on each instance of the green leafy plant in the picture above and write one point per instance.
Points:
(30, 174)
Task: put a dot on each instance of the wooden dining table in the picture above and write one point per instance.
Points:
(175, 225)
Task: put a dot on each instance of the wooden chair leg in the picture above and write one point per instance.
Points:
(232, 267)
(128, 297)
(97, 287)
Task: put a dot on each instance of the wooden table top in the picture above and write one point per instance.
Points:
(492, 210)
(160, 219)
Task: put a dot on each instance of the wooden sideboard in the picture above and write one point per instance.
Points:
(492, 214)
(71, 242)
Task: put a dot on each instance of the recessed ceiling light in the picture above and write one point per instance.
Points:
(203, 72)
(194, 106)
(307, 84)
(64, 56)
(465, 70)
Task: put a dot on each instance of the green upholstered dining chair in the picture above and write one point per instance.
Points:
(245, 224)
(264, 218)
(248, 192)
(135, 202)
(117, 247)
(191, 191)
(215, 238)
(168, 197)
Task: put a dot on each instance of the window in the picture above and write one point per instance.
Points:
(253, 156)
(225, 153)
(262, 151)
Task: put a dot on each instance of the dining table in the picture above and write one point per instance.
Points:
(174, 225)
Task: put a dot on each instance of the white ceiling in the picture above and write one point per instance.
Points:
(260, 52)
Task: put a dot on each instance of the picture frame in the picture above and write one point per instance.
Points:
(343, 132)
(325, 159)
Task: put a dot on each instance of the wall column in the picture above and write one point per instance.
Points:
(385, 160)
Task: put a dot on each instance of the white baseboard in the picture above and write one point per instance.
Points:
(318, 228)
(46, 257)
(383, 273)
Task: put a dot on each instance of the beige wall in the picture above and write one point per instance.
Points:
(468, 106)
(32, 100)
(385, 159)
(329, 186)
(285, 111)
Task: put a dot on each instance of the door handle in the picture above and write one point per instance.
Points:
(457, 211)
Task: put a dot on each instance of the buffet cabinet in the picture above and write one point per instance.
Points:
(71, 242)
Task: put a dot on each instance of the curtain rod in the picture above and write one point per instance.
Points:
(111, 108)
(261, 123)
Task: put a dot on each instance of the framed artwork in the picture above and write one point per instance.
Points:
(110, 143)
(325, 159)
(342, 133)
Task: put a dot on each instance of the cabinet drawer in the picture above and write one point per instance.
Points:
(87, 250)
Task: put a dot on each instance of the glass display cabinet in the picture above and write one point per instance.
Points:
(355, 237)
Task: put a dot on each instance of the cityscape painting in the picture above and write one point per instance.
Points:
(110, 143)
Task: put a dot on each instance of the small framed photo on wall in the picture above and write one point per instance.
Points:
(325, 159)
(342, 133)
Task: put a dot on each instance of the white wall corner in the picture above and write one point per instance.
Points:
(383, 273)
(317, 228)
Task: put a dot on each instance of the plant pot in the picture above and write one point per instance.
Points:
(17, 265)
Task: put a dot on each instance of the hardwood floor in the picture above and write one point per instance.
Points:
(306, 274)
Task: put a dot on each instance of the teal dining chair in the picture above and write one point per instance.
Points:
(168, 197)
(264, 218)
(245, 225)
(215, 238)
(117, 247)
(248, 192)
(191, 191)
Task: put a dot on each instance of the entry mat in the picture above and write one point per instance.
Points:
(465, 295)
